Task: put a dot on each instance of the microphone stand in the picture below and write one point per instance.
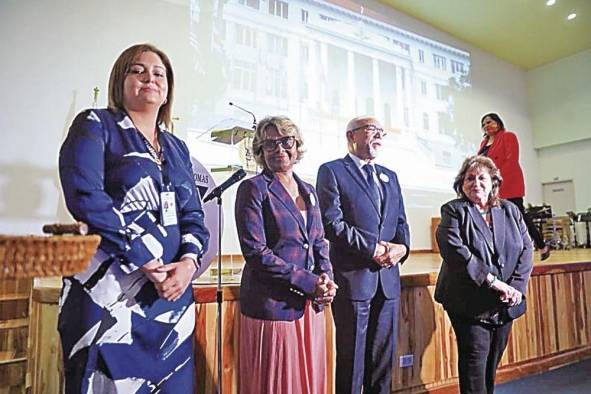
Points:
(217, 194)
(254, 119)
(219, 296)
(219, 290)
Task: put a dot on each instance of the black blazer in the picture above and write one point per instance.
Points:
(470, 251)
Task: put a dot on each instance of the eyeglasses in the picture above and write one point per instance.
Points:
(371, 129)
(285, 142)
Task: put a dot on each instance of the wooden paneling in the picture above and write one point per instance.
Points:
(45, 367)
(555, 330)
(14, 324)
(206, 349)
(434, 224)
(556, 323)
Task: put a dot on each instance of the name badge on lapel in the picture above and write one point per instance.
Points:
(168, 209)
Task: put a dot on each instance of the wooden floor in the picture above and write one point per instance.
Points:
(419, 263)
(425, 262)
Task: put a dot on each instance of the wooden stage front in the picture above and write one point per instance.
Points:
(556, 329)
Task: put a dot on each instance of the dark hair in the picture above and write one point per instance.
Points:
(285, 127)
(494, 117)
(477, 161)
(119, 73)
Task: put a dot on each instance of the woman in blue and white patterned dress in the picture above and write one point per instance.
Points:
(126, 323)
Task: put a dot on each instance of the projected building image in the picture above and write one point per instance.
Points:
(322, 63)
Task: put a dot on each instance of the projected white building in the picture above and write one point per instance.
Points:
(322, 63)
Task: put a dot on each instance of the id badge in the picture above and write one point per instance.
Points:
(167, 209)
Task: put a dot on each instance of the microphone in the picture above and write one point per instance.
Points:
(254, 119)
(217, 192)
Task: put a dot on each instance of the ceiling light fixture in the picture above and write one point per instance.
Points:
(571, 16)
(550, 2)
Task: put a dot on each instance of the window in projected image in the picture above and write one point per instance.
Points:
(322, 63)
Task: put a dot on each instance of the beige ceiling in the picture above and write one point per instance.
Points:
(523, 32)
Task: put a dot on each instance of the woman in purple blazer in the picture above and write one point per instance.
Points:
(287, 278)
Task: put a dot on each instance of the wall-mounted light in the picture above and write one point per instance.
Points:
(571, 16)
(550, 2)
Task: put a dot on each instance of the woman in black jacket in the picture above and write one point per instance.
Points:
(487, 261)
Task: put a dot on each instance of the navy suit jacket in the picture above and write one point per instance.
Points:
(471, 251)
(354, 224)
(284, 256)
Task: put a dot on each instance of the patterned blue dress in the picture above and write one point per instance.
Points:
(117, 335)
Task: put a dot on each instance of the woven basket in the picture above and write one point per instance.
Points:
(36, 256)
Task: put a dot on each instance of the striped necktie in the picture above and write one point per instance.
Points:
(373, 187)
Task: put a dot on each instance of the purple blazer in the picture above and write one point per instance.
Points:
(284, 255)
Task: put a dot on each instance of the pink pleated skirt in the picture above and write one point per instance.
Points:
(283, 357)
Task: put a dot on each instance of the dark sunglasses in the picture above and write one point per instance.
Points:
(285, 142)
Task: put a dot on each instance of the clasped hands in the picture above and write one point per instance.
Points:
(508, 294)
(171, 280)
(388, 254)
(326, 289)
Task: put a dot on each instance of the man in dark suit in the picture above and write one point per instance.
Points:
(364, 220)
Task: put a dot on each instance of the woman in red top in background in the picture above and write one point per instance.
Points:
(502, 147)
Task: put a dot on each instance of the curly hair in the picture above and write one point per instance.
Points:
(478, 162)
(285, 127)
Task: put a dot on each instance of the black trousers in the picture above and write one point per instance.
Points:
(533, 231)
(480, 348)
